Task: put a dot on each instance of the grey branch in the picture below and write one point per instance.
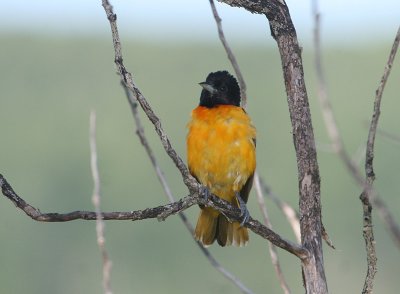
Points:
(159, 212)
(368, 194)
(284, 33)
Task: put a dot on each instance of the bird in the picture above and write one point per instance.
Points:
(221, 155)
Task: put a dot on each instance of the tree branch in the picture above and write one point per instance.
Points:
(159, 212)
(283, 31)
(368, 193)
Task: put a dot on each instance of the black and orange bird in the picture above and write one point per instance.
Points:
(221, 150)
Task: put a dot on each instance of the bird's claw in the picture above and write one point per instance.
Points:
(243, 210)
(204, 193)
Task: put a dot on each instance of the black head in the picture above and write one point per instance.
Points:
(220, 88)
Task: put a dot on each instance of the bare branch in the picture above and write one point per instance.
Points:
(230, 54)
(375, 117)
(267, 222)
(96, 202)
(161, 177)
(368, 193)
(159, 212)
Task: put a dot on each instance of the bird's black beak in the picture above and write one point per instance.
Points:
(208, 87)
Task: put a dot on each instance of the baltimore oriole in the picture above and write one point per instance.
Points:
(221, 150)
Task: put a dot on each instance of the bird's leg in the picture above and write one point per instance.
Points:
(243, 209)
(204, 193)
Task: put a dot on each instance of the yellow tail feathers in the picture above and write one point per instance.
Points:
(211, 225)
(206, 227)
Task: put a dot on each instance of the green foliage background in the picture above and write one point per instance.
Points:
(48, 86)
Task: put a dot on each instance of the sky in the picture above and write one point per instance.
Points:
(343, 21)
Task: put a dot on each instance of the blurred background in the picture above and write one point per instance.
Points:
(56, 64)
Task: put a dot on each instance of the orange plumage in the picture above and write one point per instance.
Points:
(221, 155)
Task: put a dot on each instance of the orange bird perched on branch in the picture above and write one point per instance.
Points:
(221, 150)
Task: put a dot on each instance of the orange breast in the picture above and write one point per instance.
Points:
(221, 148)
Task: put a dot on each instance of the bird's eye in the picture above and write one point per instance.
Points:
(222, 88)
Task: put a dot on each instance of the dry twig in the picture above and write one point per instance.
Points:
(96, 203)
(368, 194)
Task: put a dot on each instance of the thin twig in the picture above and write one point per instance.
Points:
(161, 177)
(96, 203)
(290, 213)
(375, 117)
(230, 54)
(368, 194)
(267, 222)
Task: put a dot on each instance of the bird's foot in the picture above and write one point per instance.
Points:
(243, 210)
(204, 193)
